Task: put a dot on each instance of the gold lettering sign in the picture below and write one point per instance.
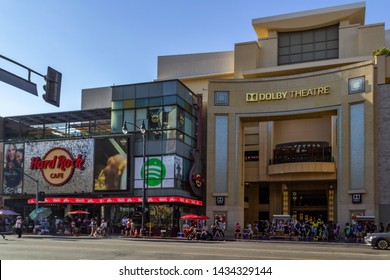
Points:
(283, 95)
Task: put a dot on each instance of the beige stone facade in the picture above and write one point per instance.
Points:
(292, 121)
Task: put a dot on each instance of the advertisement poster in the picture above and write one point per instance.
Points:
(110, 164)
(13, 168)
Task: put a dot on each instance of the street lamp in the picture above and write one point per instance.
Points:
(143, 131)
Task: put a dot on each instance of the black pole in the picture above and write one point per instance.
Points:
(142, 129)
(143, 186)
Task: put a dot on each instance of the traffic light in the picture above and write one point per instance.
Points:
(53, 87)
(41, 196)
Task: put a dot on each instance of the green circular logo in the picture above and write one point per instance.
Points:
(155, 172)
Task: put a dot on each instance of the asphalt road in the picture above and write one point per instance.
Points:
(32, 247)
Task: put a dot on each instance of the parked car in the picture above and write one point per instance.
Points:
(378, 240)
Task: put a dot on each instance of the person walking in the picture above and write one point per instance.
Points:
(218, 229)
(18, 227)
(103, 228)
(237, 233)
(93, 226)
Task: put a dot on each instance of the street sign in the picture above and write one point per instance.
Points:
(18, 82)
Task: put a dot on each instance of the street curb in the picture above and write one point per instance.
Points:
(177, 239)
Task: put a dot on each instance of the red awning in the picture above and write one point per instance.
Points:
(114, 200)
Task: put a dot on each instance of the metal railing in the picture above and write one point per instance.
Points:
(311, 154)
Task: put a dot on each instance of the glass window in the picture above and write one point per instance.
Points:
(171, 134)
(357, 146)
(221, 153)
(169, 117)
(284, 41)
(180, 102)
(116, 121)
(35, 131)
(115, 105)
(76, 129)
(154, 120)
(264, 194)
(129, 117)
(129, 103)
(55, 130)
(142, 102)
(188, 124)
(142, 91)
(181, 119)
(251, 155)
(180, 136)
(141, 115)
(307, 56)
(332, 34)
(307, 37)
(117, 93)
(101, 127)
(307, 48)
(85, 128)
(129, 92)
(155, 89)
(295, 39)
(169, 100)
(184, 93)
(187, 107)
(311, 45)
(296, 49)
(169, 88)
(188, 140)
(155, 101)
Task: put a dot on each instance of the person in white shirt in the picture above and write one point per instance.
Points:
(18, 226)
(103, 228)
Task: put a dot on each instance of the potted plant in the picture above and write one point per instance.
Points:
(381, 51)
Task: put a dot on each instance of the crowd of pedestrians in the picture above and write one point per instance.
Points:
(315, 230)
(70, 226)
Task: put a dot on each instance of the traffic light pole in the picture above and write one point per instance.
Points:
(21, 65)
(52, 87)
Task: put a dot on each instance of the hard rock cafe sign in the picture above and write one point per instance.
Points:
(57, 166)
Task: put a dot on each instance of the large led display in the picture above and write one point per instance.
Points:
(110, 164)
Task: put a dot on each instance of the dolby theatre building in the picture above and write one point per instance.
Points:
(296, 119)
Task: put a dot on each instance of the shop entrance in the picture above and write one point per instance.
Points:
(309, 205)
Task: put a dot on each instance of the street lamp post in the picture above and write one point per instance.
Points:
(142, 129)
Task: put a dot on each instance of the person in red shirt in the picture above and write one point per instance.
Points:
(237, 233)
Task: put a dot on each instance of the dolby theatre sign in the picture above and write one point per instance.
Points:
(283, 95)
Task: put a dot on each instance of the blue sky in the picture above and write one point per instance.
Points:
(97, 43)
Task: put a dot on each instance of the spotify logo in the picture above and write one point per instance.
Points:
(153, 172)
